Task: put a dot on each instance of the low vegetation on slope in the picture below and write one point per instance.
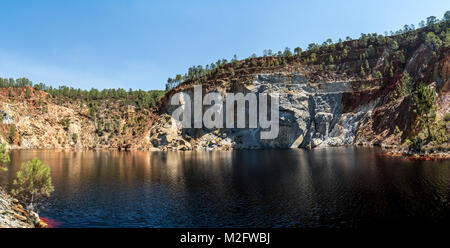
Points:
(352, 56)
(137, 98)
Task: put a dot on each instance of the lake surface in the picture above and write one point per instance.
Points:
(335, 187)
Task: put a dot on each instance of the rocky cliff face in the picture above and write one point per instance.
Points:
(311, 115)
(316, 112)
(37, 121)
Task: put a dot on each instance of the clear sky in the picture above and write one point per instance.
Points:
(139, 44)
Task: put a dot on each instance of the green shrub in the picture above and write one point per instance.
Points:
(11, 136)
(425, 108)
(378, 75)
(447, 117)
(440, 133)
(65, 123)
(75, 137)
(396, 130)
(107, 127)
(330, 59)
(33, 183)
(27, 93)
(433, 41)
(406, 86)
(45, 109)
(415, 142)
(4, 158)
(92, 113)
(362, 71)
(313, 57)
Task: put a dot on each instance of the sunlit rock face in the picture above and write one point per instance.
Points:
(334, 105)
(311, 114)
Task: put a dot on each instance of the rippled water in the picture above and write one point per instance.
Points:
(338, 187)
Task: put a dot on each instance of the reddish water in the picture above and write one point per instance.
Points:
(50, 222)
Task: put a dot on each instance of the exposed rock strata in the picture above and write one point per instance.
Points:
(316, 113)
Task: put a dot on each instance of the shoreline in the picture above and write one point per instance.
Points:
(388, 151)
(418, 156)
(14, 215)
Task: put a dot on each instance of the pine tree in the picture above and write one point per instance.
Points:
(330, 59)
(33, 183)
(425, 108)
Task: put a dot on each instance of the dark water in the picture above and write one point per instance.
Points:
(339, 187)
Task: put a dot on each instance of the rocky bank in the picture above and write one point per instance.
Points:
(13, 215)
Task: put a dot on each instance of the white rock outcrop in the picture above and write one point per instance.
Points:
(311, 115)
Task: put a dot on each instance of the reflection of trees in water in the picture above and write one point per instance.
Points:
(300, 187)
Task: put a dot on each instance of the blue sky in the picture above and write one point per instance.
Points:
(139, 44)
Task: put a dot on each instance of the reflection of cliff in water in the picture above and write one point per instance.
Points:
(323, 187)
